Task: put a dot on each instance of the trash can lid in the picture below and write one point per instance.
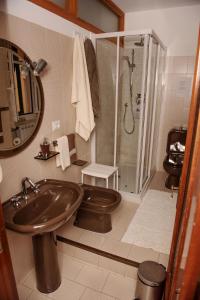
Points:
(151, 273)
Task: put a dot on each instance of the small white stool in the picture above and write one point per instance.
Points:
(101, 171)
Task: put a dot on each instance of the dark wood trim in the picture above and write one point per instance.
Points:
(8, 289)
(186, 189)
(71, 13)
(69, 8)
(56, 9)
(120, 259)
(113, 7)
(72, 7)
(192, 268)
(78, 21)
(192, 180)
(121, 22)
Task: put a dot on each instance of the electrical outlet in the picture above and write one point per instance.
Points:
(55, 125)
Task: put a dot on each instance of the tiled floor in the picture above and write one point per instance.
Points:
(111, 241)
(83, 281)
(88, 276)
(158, 182)
(121, 218)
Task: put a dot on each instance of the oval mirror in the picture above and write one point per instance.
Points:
(21, 100)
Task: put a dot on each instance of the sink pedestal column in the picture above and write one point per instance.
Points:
(46, 262)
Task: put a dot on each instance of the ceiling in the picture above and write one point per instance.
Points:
(137, 5)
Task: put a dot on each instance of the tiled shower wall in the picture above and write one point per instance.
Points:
(128, 143)
(176, 101)
(56, 49)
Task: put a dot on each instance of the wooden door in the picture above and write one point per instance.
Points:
(8, 290)
(184, 263)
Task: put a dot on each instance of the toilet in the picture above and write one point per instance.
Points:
(94, 213)
(173, 161)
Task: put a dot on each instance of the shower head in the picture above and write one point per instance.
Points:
(140, 43)
(130, 64)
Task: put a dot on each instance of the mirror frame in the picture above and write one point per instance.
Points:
(11, 152)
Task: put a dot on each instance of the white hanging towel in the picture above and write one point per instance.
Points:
(81, 95)
(63, 159)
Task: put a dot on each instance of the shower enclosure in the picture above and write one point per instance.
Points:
(130, 66)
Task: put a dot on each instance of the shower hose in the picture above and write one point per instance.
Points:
(131, 107)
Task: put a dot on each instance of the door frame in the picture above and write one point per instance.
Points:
(188, 183)
(8, 287)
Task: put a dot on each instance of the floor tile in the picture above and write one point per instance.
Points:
(71, 232)
(92, 277)
(23, 292)
(163, 259)
(158, 182)
(92, 239)
(30, 280)
(65, 248)
(112, 265)
(117, 232)
(86, 256)
(131, 272)
(37, 296)
(93, 295)
(116, 247)
(120, 287)
(68, 290)
(69, 266)
(140, 254)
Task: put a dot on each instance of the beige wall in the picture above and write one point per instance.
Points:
(177, 27)
(176, 99)
(56, 49)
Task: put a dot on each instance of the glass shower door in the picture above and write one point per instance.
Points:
(131, 56)
(149, 101)
(128, 87)
(106, 53)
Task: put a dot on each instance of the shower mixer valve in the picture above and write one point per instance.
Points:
(138, 99)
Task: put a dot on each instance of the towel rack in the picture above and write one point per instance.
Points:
(55, 143)
(72, 150)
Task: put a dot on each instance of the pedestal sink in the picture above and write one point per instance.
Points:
(39, 216)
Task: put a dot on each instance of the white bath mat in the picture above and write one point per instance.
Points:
(152, 225)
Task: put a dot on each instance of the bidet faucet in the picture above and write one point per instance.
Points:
(33, 186)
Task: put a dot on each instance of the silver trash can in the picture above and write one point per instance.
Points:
(151, 281)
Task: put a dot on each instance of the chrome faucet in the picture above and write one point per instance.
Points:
(33, 186)
(16, 201)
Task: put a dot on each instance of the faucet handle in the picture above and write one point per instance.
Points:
(36, 189)
(15, 201)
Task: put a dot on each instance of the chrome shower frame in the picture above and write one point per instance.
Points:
(148, 35)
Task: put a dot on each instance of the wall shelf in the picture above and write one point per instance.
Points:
(41, 157)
